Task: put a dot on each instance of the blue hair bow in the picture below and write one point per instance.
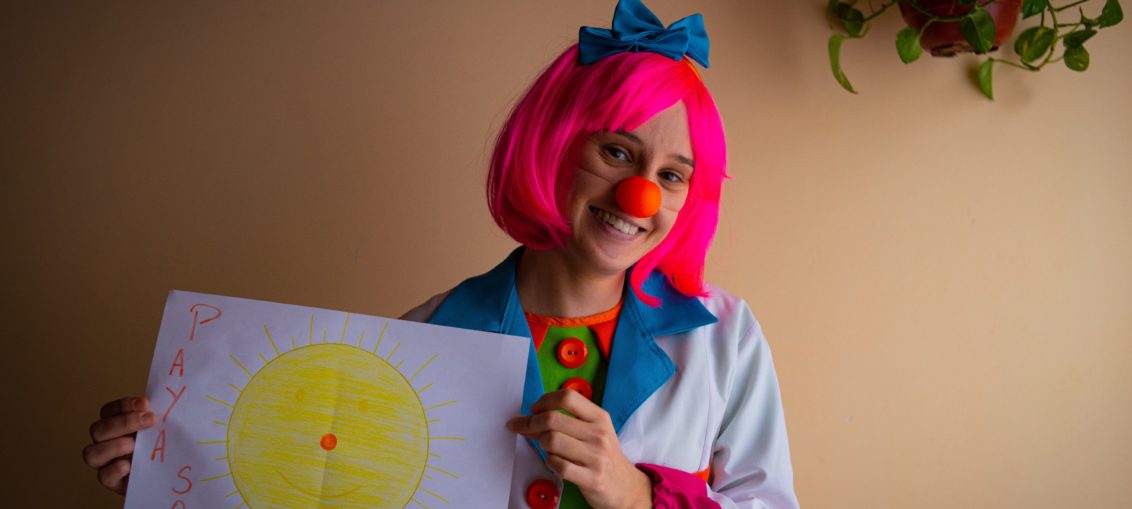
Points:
(636, 28)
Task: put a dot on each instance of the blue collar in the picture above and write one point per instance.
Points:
(638, 366)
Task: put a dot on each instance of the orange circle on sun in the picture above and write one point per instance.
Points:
(329, 441)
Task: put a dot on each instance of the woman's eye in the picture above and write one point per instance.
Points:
(671, 176)
(617, 153)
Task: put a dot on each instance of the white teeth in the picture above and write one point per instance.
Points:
(616, 222)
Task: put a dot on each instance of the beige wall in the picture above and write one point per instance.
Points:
(946, 282)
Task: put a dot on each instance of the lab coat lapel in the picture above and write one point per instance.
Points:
(637, 365)
(489, 302)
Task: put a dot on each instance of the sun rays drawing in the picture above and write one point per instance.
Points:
(263, 405)
(320, 422)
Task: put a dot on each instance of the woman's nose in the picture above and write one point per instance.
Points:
(638, 196)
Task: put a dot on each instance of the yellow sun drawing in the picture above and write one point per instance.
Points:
(329, 424)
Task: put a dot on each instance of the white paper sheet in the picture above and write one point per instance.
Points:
(271, 405)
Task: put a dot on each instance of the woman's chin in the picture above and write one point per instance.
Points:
(608, 251)
(610, 258)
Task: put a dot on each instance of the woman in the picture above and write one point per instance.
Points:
(608, 173)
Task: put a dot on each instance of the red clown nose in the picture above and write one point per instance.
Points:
(638, 196)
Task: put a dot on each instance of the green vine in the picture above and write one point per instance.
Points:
(1035, 47)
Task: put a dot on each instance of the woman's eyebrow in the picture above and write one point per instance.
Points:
(631, 136)
(679, 158)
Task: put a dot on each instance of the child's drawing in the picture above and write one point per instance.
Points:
(270, 405)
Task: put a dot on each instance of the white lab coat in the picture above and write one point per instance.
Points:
(719, 408)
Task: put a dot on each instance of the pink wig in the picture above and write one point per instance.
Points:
(527, 182)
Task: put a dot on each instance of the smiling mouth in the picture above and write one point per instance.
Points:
(617, 223)
(323, 496)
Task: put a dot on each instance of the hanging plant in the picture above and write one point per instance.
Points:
(948, 27)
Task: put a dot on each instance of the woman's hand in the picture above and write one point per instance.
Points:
(113, 437)
(584, 450)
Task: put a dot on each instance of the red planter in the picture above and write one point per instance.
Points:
(943, 39)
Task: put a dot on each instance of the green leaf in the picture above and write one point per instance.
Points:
(1076, 39)
(985, 78)
(978, 28)
(1034, 42)
(835, 41)
(908, 44)
(1111, 14)
(1032, 7)
(851, 18)
(1077, 58)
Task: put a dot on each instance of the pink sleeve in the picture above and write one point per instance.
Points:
(676, 489)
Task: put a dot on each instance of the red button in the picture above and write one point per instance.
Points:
(581, 385)
(571, 352)
(542, 494)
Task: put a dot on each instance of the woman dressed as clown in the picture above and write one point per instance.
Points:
(645, 387)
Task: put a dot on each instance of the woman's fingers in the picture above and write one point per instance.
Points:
(121, 406)
(582, 447)
(553, 420)
(573, 402)
(120, 425)
(100, 454)
(570, 448)
(114, 442)
(114, 475)
(568, 470)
